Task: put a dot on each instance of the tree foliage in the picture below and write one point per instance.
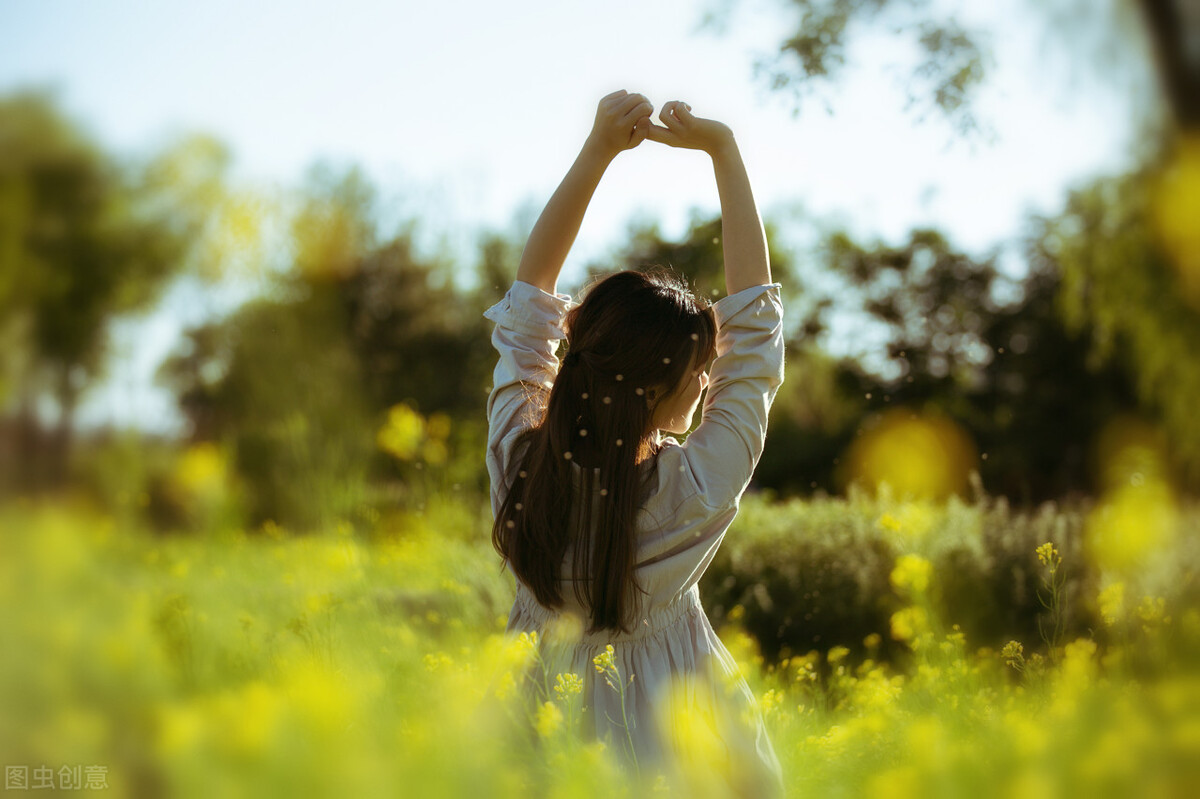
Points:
(82, 241)
(1130, 299)
(299, 382)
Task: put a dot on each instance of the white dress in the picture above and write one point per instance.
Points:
(677, 661)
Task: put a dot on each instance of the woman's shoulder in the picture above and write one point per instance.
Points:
(670, 483)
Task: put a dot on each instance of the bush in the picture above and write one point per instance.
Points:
(809, 575)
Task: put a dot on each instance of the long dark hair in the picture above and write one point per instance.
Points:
(633, 331)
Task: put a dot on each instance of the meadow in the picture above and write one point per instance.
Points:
(960, 649)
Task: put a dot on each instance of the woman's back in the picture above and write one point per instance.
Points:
(678, 666)
(662, 689)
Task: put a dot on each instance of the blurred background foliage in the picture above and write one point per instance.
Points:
(352, 385)
(1017, 379)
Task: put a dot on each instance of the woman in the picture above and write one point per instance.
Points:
(601, 517)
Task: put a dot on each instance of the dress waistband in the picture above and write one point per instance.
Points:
(649, 624)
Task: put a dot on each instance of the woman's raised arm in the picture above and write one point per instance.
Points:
(745, 242)
(622, 120)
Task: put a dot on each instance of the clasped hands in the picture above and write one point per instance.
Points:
(623, 122)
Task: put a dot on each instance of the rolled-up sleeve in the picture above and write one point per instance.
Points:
(529, 326)
(720, 455)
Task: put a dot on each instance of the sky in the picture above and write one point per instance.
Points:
(469, 113)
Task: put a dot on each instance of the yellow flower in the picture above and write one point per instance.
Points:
(1048, 555)
(889, 522)
(435, 452)
(770, 700)
(528, 641)
(805, 672)
(401, 435)
(506, 686)
(1078, 662)
(200, 473)
(549, 719)
(1112, 603)
(604, 661)
(1130, 525)
(569, 684)
(1151, 610)
(1013, 654)
(908, 623)
(836, 654)
(911, 574)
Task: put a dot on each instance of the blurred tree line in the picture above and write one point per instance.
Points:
(1125, 254)
(356, 381)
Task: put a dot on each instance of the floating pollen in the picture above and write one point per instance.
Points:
(666, 360)
(638, 391)
(607, 400)
(567, 455)
(604, 492)
(584, 395)
(583, 433)
(522, 473)
(695, 337)
(620, 378)
(620, 442)
(509, 524)
(519, 506)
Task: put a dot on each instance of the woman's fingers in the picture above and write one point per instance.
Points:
(640, 110)
(640, 130)
(661, 135)
(666, 116)
(628, 104)
(671, 114)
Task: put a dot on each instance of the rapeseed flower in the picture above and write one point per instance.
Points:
(604, 661)
(506, 686)
(1152, 611)
(836, 654)
(1048, 555)
(568, 685)
(908, 623)
(1112, 603)
(549, 719)
(911, 575)
(529, 641)
(1014, 655)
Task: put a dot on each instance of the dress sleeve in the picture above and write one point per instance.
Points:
(702, 479)
(529, 325)
(719, 457)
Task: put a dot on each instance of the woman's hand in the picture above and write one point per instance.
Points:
(622, 120)
(688, 131)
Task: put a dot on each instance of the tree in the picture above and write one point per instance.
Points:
(994, 355)
(1121, 289)
(1117, 37)
(81, 241)
(299, 383)
(1126, 251)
